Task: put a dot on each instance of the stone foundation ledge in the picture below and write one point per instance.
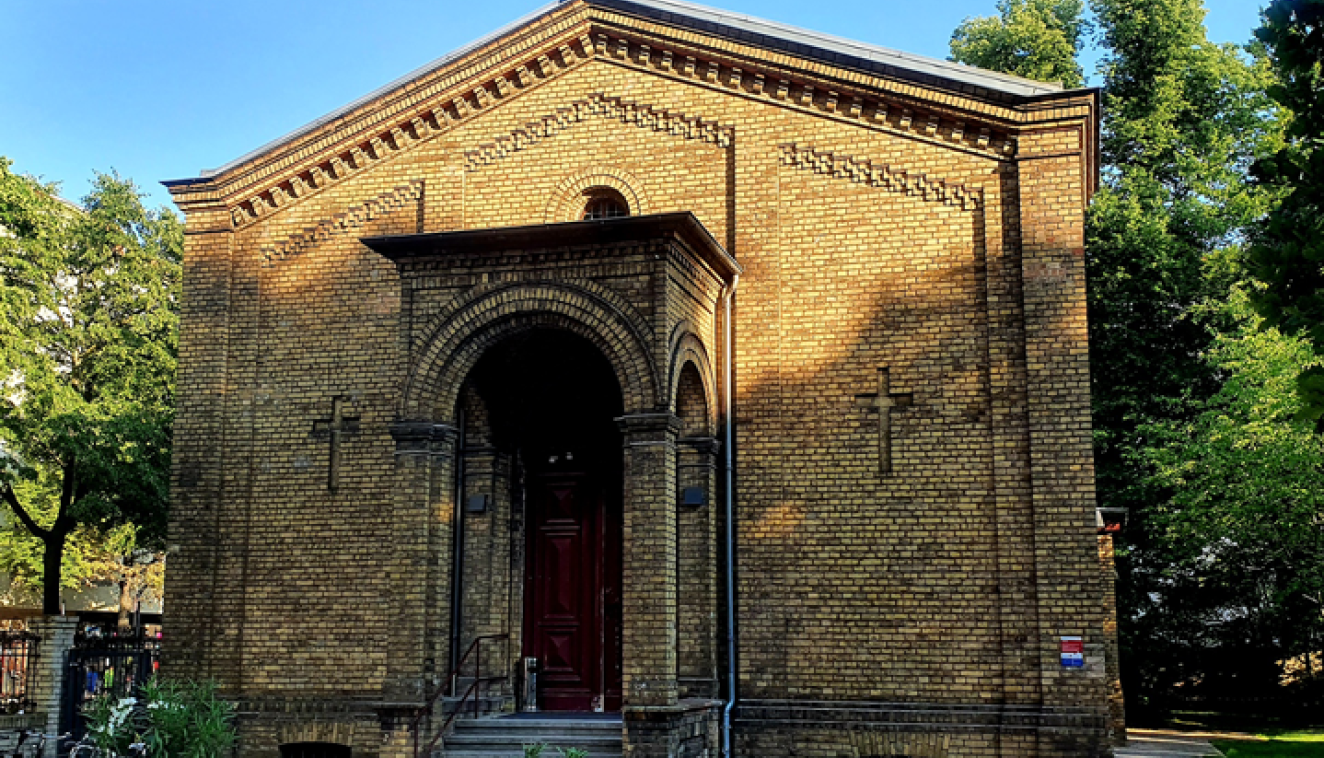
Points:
(329, 704)
(920, 716)
(19, 722)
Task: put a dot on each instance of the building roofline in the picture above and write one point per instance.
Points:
(837, 51)
(417, 73)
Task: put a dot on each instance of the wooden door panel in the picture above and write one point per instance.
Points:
(562, 661)
(564, 607)
(562, 577)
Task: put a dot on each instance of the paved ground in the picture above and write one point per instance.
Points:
(1153, 743)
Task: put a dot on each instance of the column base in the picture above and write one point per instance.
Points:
(689, 729)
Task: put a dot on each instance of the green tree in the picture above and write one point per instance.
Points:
(1034, 39)
(88, 341)
(1287, 250)
(1240, 525)
(1182, 120)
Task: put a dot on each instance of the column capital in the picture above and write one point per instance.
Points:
(709, 445)
(649, 427)
(418, 437)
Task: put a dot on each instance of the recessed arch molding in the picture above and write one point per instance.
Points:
(459, 336)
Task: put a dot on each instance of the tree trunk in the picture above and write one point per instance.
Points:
(126, 603)
(51, 563)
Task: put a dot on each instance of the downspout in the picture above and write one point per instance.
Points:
(728, 449)
(457, 548)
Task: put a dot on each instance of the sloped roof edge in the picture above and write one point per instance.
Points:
(770, 34)
(825, 47)
(423, 70)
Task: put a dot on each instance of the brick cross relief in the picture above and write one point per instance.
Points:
(882, 402)
(335, 429)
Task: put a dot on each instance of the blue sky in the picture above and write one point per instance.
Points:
(160, 90)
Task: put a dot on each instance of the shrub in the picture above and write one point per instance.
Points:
(174, 719)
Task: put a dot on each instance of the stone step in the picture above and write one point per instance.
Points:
(517, 751)
(558, 739)
(488, 737)
(535, 724)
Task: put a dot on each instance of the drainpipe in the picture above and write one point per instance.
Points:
(729, 450)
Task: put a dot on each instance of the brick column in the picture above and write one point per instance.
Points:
(486, 606)
(1070, 586)
(1112, 663)
(649, 649)
(46, 667)
(423, 510)
(205, 582)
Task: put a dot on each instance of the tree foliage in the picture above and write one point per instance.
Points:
(88, 340)
(1235, 564)
(1034, 39)
(1287, 250)
(1182, 120)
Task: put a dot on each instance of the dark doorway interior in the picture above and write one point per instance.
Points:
(552, 399)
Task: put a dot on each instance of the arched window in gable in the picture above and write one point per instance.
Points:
(604, 203)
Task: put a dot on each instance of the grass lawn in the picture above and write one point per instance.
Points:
(1308, 744)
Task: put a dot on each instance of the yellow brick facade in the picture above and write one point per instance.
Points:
(878, 221)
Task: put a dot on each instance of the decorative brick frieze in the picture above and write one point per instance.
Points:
(881, 175)
(599, 106)
(504, 79)
(455, 108)
(349, 220)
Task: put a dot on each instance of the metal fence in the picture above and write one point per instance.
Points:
(116, 666)
(17, 649)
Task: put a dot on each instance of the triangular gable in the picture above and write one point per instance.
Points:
(927, 99)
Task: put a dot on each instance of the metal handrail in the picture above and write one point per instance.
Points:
(426, 713)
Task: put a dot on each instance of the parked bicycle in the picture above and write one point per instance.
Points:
(32, 744)
(85, 748)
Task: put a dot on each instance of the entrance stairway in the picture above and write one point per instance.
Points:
(506, 736)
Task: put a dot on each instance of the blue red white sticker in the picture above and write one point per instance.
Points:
(1073, 652)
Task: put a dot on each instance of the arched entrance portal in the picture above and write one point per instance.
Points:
(543, 403)
(582, 330)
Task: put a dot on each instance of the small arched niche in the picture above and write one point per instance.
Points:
(692, 403)
(696, 541)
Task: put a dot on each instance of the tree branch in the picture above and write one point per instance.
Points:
(64, 523)
(7, 493)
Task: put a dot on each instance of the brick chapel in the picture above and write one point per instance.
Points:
(704, 384)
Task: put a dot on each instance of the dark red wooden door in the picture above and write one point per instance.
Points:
(572, 596)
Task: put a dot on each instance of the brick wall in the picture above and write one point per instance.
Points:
(937, 237)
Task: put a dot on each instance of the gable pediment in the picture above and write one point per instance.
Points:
(494, 72)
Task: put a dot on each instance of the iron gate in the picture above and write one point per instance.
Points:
(17, 650)
(115, 666)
